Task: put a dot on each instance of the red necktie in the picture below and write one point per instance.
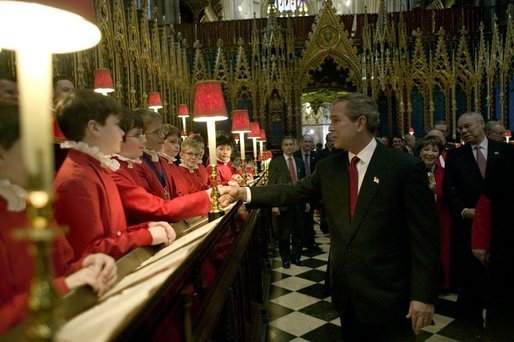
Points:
(353, 184)
(292, 172)
(482, 163)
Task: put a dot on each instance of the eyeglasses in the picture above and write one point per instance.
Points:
(191, 154)
(157, 133)
(140, 136)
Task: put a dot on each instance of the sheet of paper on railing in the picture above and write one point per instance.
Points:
(104, 320)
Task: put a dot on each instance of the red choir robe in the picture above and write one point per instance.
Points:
(188, 181)
(88, 202)
(481, 228)
(140, 205)
(156, 175)
(443, 212)
(17, 267)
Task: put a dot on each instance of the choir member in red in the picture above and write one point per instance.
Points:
(16, 262)
(155, 170)
(237, 167)
(201, 166)
(189, 179)
(223, 153)
(171, 144)
(139, 204)
(429, 149)
(87, 199)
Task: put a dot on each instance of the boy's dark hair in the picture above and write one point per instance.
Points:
(130, 120)
(224, 140)
(77, 109)
(170, 130)
(9, 124)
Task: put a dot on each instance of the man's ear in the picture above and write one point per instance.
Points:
(362, 121)
(93, 127)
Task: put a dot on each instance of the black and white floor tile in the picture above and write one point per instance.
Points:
(300, 310)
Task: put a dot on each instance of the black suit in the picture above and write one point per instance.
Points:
(308, 222)
(388, 254)
(290, 221)
(463, 185)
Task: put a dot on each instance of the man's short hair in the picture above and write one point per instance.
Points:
(307, 135)
(79, 107)
(287, 137)
(476, 116)
(491, 124)
(356, 105)
(9, 124)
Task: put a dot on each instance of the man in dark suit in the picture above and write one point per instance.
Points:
(383, 227)
(466, 168)
(289, 219)
(310, 159)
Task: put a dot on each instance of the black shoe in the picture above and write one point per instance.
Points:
(297, 262)
(286, 264)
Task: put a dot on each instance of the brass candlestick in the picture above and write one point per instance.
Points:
(216, 211)
(43, 319)
(243, 172)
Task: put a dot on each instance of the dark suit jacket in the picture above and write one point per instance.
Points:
(389, 253)
(463, 182)
(279, 172)
(313, 158)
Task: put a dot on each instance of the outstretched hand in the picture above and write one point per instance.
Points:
(231, 194)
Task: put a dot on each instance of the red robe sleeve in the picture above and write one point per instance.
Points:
(481, 228)
(140, 205)
(88, 202)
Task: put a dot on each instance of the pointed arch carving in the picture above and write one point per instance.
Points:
(329, 39)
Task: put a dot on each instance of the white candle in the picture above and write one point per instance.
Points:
(184, 124)
(242, 144)
(211, 137)
(254, 149)
(35, 88)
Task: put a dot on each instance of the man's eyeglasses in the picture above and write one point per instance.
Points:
(140, 136)
(191, 154)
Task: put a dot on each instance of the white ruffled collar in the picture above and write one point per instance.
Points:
(170, 159)
(130, 162)
(15, 195)
(106, 161)
(154, 154)
(191, 170)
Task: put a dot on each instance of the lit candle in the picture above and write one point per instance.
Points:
(35, 72)
(211, 137)
(242, 144)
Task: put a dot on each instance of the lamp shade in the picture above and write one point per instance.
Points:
(209, 104)
(411, 130)
(103, 81)
(262, 136)
(154, 100)
(183, 111)
(240, 121)
(236, 137)
(255, 130)
(49, 17)
(508, 133)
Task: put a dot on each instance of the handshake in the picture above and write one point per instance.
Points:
(231, 194)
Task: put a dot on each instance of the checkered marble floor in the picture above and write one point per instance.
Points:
(300, 310)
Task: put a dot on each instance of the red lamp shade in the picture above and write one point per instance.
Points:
(154, 100)
(263, 136)
(209, 103)
(236, 137)
(183, 111)
(411, 130)
(255, 130)
(103, 81)
(183, 134)
(240, 121)
(508, 133)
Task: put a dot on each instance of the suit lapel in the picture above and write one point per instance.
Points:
(372, 181)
